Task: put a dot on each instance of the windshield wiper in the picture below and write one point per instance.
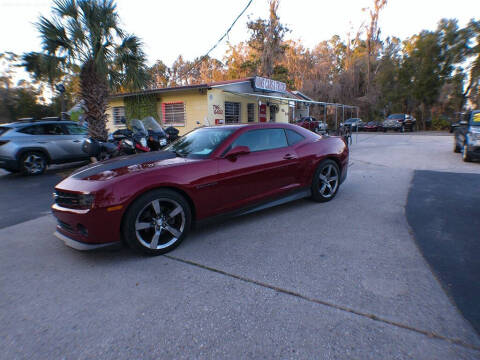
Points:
(179, 153)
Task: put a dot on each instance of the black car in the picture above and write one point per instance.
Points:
(355, 124)
(399, 122)
(467, 136)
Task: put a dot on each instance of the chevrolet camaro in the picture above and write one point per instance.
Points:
(150, 201)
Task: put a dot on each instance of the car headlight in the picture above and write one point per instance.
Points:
(143, 142)
(473, 135)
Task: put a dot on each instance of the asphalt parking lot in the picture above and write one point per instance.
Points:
(348, 279)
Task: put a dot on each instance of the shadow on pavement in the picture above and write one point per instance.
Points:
(443, 210)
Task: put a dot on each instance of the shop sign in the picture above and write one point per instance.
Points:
(269, 85)
(217, 110)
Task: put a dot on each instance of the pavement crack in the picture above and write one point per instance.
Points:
(373, 317)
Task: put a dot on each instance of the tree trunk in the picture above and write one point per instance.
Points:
(94, 92)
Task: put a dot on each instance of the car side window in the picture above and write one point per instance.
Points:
(54, 129)
(263, 139)
(293, 137)
(76, 130)
(33, 130)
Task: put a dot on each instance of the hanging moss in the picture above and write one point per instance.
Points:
(140, 106)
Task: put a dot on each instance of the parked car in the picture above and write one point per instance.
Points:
(355, 124)
(150, 200)
(372, 126)
(399, 122)
(310, 123)
(467, 136)
(30, 146)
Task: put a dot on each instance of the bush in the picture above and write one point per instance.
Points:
(440, 123)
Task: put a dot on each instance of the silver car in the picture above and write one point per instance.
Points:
(30, 146)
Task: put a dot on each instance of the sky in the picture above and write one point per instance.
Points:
(192, 27)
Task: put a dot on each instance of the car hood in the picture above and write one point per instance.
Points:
(126, 165)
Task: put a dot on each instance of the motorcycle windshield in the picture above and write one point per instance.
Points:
(138, 128)
(151, 124)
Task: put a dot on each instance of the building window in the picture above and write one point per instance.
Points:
(232, 112)
(251, 112)
(173, 113)
(118, 115)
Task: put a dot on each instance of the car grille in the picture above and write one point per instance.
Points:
(69, 200)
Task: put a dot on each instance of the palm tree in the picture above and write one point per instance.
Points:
(85, 34)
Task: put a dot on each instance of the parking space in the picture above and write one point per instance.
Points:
(343, 279)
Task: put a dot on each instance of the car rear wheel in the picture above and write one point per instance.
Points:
(157, 222)
(326, 181)
(33, 163)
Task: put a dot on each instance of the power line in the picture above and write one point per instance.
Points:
(219, 40)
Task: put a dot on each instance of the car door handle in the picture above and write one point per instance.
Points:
(76, 141)
(42, 142)
(289, 157)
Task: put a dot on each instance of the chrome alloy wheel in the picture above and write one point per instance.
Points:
(328, 181)
(160, 223)
(34, 164)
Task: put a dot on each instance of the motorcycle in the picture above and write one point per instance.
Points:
(133, 141)
(157, 138)
(122, 142)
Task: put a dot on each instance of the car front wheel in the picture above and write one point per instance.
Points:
(157, 222)
(33, 163)
(326, 181)
(465, 156)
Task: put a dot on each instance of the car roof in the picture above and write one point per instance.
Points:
(18, 124)
(250, 126)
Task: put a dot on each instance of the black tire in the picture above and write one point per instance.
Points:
(143, 206)
(318, 184)
(33, 163)
(465, 155)
(456, 147)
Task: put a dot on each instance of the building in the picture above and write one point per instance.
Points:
(254, 99)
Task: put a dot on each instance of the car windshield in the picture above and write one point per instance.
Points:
(199, 143)
(351, 120)
(476, 118)
(151, 124)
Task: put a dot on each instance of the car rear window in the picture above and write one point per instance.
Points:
(396, 116)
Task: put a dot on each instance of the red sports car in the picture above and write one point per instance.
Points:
(150, 200)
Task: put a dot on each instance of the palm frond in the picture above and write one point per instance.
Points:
(65, 8)
(54, 36)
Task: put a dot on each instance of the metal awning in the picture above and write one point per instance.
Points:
(288, 99)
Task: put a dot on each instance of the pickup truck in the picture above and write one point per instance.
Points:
(310, 123)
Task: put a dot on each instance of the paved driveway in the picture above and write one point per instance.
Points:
(339, 280)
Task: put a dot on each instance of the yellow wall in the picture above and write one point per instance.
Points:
(195, 107)
(111, 104)
(218, 97)
(199, 107)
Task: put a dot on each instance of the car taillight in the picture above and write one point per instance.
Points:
(399, 120)
(3, 142)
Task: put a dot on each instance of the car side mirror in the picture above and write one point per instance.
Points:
(236, 151)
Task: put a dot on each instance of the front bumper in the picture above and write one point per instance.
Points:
(9, 164)
(87, 229)
(473, 151)
(80, 245)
